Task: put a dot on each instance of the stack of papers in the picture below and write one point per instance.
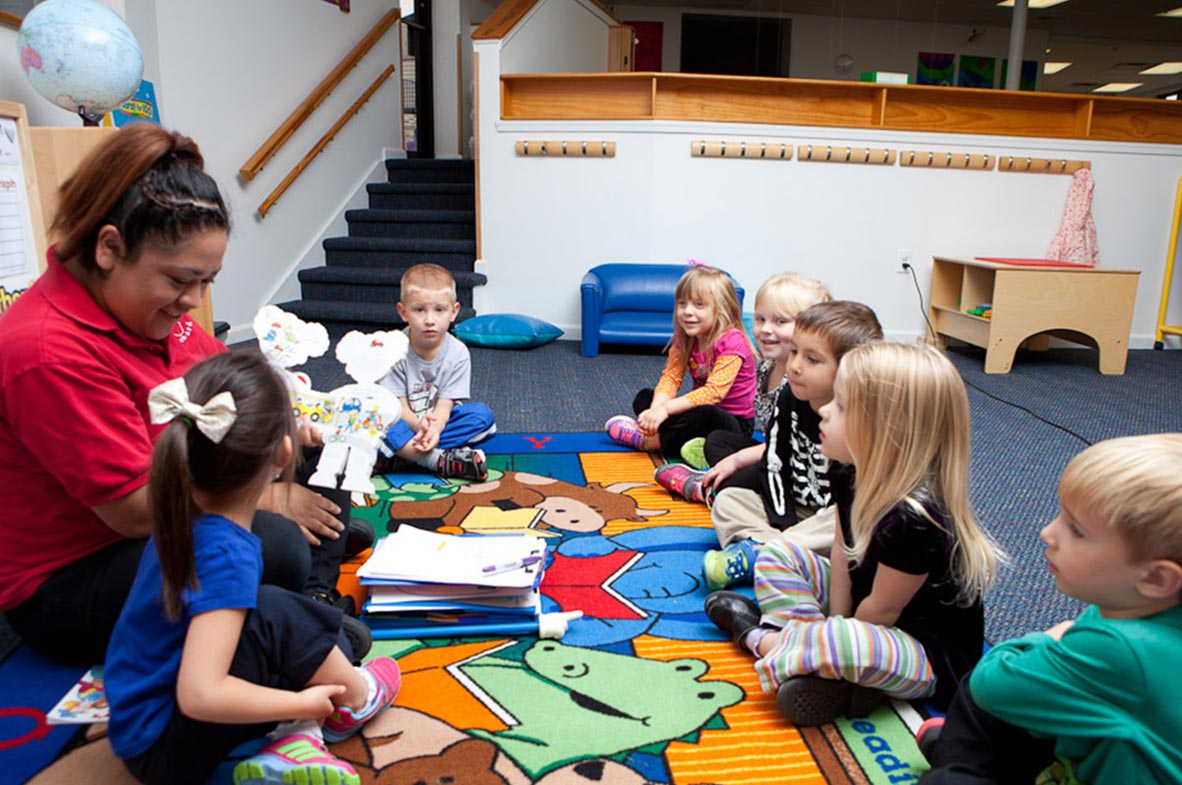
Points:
(424, 584)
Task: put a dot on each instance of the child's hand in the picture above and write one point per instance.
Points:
(650, 420)
(315, 702)
(427, 437)
(307, 433)
(721, 470)
(1057, 631)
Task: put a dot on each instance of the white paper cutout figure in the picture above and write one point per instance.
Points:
(353, 418)
(363, 411)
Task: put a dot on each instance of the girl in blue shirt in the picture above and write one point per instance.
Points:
(203, 658)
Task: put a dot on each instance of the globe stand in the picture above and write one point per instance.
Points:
(88, 120)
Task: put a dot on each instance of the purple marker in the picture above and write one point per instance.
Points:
(513, 565)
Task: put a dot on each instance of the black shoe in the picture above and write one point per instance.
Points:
(734, 614)
(356, 631)
(359, 535)
(810, 700)
(360, 638)
(928, 736)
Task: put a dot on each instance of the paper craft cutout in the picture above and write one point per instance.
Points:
(352, 419)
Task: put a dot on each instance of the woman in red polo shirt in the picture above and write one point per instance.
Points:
(141, 230)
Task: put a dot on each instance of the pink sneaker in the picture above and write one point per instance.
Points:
(626, 431)
(292, 759)
(682, 480)
(343, 723)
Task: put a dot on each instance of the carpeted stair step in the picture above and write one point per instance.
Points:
(373, 284)
(455, 255)
(442, 224)
(340, 316)
(422, 196)
(417, 170)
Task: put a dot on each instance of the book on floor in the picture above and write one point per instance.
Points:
(84, 703)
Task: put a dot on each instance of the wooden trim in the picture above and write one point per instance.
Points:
(324, 140)
(506, 16)
(503, 19)
(826, 103)
(11, 21)
(460, 94)
(476, 134)
(255, 163)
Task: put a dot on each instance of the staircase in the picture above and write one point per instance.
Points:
(426, 212)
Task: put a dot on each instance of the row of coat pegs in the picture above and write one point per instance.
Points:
(882, 155)
(577, 148)
(832, 153)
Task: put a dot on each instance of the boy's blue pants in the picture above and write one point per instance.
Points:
(469, 423)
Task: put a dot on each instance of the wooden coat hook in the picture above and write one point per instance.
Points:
(579, 148)
(945, 160)
(755, 150)
(845, 155)
(1021, 163)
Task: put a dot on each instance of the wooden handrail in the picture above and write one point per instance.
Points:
(255, 163)
(506, 16)
(324, 140)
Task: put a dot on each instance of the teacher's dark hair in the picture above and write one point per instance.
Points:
(147, 182)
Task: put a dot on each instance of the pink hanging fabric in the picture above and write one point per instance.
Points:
(1076, 240)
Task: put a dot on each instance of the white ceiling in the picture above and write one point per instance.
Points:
(1106, 40)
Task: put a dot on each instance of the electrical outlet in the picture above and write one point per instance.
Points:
(904, 260)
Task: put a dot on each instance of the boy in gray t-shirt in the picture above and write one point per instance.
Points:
(439, 424)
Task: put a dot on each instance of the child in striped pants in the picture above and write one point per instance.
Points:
(898, 611)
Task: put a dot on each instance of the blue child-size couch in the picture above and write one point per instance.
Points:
(631, 303)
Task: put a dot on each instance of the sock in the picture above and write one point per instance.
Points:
(751, 639)
(294, 727)
(430, 460)
(371, 694)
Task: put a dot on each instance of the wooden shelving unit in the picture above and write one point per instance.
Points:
(1089, 305)
(815, 102)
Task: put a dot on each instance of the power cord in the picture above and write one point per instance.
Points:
(922, 310)
(932, 333)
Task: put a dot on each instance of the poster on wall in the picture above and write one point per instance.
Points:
(976, 71)
(936, 68)
(20, 210)
(141, 106)
(1026, 79)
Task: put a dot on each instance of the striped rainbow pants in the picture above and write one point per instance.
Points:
(792, 587)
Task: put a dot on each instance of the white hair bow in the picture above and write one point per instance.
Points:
(170, 400)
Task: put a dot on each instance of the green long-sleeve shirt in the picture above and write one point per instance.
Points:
(1107, 692)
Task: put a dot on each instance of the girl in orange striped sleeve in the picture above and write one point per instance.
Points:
(709, 342)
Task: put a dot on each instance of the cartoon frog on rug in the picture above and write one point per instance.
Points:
(566, 704)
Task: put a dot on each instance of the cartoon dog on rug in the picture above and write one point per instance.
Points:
(561, 506)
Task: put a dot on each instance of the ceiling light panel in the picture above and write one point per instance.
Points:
(1117, 87)
(1164, 68)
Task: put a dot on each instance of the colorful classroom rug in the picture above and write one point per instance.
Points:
(643, 689)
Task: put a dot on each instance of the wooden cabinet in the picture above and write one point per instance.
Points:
(1088, 305)
(621, 48)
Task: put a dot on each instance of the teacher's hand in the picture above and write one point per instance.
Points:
(314, 514)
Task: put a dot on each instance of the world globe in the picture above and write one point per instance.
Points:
(81, 56)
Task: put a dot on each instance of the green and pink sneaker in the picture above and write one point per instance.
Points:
(298, 759)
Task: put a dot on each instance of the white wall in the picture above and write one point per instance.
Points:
(874, 44)
(228, 74)
(558, 36)
(545, 221)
